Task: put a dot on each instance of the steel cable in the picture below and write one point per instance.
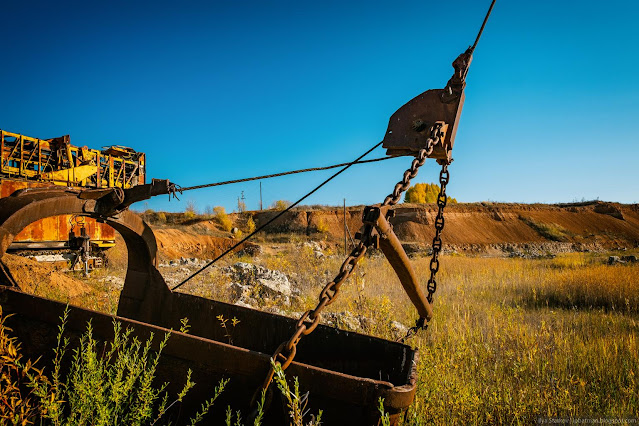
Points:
(229, 250)
(292, 172)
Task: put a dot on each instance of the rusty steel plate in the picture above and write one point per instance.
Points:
(408, 128)
(345, 372)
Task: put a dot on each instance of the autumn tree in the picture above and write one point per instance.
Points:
(422, 193)
(219, 213)
(280, 205)
(250, 224)
(191, 210)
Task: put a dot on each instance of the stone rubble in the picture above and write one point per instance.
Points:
(398, 329)
(526, 250)
(614, 260)
(317, 248)
(251, 282)
(114, 282)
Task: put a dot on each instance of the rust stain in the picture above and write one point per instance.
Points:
(55, 228)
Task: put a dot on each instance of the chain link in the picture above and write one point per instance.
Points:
(439, 227)
(419, 161)
(310, 319)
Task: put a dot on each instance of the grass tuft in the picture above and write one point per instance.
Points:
(550, 231)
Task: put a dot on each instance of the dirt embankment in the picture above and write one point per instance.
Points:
(609, 225)
(480, 227)
(475, 227)
(203, 240)
(43, 279)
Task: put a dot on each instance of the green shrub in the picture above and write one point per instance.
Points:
(384, 416)
(550, 231)
(295, 402)
(110, 383)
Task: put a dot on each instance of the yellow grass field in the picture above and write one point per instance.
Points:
(515, 340)
(512, 339)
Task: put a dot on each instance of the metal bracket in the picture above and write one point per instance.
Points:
(109, 202)
(378, 231)
(409, 127)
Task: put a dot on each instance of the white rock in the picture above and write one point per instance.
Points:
(398, 329)
(270, 283)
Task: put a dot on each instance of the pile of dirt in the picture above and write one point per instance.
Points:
(42, 279)
(291, 222)
(176, 243)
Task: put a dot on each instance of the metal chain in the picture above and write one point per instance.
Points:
(442, 199)
(310, 319)
(409, 174)
(431, 287)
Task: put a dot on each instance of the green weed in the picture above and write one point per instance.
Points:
(296, 402)
(109, 383)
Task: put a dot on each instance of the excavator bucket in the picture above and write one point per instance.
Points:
(345, 372)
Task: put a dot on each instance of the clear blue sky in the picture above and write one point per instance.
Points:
(221, 90)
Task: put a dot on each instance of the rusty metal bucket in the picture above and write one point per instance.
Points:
(345, 372)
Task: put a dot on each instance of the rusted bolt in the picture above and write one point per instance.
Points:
(419, 125)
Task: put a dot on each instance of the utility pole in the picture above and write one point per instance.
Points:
(241, 205)
(260, 195)
(345, 242)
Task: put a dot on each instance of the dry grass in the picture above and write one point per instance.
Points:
(517, 339)
(513, 339)
(508, 366)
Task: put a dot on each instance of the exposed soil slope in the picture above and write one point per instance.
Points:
(608, 224)
(192, 241)
(602, 223)
(575, 226)
(42, 279)
(475, 227)
(485, 223)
